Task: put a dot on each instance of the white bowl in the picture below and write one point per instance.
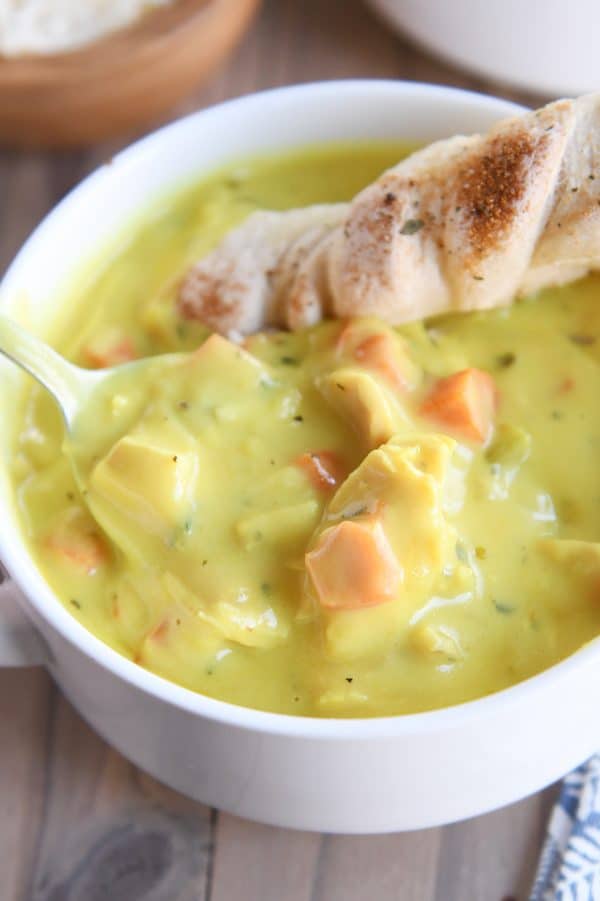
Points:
(547, 46)
(361, 775)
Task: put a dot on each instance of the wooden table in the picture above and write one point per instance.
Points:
(77, 821)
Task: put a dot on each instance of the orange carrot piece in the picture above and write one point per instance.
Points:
(160, 631)
(353, 566)
(567, 385)
(84, 550)
(325, 469)
(110, 352)
(465, 402)
(378, 352)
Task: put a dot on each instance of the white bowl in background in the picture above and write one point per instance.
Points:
(352, 775)
(545, 46)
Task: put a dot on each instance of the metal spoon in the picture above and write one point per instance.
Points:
(80, 392)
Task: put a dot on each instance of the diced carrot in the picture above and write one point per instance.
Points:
(465, 402)
(325, 469)
(566, 385)
(84, 550)
(353, 566)
(377, 350)
(160, 631)
(110, 350)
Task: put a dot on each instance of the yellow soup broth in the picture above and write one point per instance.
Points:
(353, 520)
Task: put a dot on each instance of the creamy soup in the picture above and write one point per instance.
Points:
(353, 520)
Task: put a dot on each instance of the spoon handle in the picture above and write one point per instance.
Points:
(63, 380)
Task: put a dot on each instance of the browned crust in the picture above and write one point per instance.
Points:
(493, 185)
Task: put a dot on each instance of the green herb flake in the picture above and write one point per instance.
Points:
(582, 340)
(503, 361)
(505, 609)
(266, 589)
(288, 361)
(480, 552)
(75, 603)
(412, 226)
(461, 552)
(298, 418)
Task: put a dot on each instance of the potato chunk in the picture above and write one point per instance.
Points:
(386, 544)
(148, 477)
(367, 404)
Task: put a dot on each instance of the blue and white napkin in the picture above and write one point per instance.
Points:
(569, 867)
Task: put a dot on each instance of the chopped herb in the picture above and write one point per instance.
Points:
(461, 552)
(556, 414)
(175, 458)
(187, 527)
(296, 698)
(478, 278)
(574, 190)
(340, 386)
(412, 226)
(591, 177)
(181, 329)
(457, 209)
(75, 603)
(480, 552)
(288, 361)
(389, 198)
(504, 608)
(177, 622)
(505, 360)
(70, 496)
(183, 405)
(349, 679)
(298, 418)
(582, 340)
(204, 562)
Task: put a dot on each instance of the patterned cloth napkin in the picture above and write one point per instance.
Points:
(569, 867)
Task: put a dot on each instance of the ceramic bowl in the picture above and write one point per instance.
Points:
(548, 48)
(338, 775)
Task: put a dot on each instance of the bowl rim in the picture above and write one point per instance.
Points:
(19, 563)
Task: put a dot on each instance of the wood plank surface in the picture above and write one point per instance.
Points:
(79, 823)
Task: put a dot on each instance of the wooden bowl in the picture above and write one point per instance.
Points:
(120, 82)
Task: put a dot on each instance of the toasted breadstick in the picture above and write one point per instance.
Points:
(468, 223)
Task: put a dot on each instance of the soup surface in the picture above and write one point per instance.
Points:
(350, 521)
